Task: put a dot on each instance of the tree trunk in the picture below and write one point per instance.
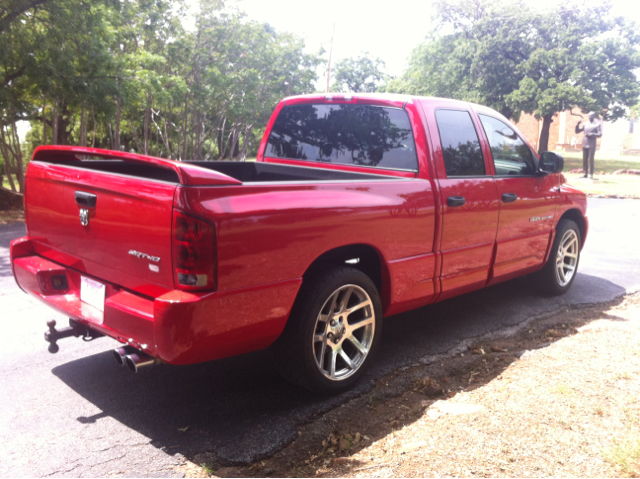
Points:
(6, 153)
(222, 145)
(112, 141)
(83, 126)
(543, 144)
(93, 114)
(235, 139)
(198, 133)
(185, 139)
(12, 154)
(44, 121)
(55, 126)
(116, 128)
(243, 152)
(147, 129)
(17, 156)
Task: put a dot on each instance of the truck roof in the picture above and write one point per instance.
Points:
(384, 99)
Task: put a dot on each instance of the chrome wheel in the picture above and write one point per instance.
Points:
(344, 332)
(567, 257)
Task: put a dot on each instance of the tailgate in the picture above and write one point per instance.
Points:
(127, 236)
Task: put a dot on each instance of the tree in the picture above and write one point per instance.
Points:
(362, 74)
(516, 59)
(126, 75)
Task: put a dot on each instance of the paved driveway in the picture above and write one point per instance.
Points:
(78, 414)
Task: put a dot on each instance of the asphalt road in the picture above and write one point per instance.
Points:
(78, 414)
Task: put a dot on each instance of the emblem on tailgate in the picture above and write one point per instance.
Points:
(138, 254)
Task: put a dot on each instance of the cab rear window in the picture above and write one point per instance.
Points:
(362, 135)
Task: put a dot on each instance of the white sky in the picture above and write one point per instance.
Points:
(389, 30)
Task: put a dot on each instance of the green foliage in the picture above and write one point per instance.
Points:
(362, 74)
(126, 75)
(514, 58)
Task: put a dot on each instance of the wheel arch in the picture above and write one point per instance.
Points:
(576, 216)
(365, 257)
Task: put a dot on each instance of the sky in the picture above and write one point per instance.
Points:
(389, 30)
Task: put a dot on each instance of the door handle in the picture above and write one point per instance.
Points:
(454, 201)
(509, 197)
(86, 200)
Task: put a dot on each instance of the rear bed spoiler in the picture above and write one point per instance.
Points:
(190, 175)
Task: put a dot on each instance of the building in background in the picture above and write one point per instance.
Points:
(621, 137)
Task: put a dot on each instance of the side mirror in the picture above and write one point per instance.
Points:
(551, 162)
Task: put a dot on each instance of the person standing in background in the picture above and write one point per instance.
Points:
(592, 131)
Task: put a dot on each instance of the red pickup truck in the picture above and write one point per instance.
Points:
(358, 207)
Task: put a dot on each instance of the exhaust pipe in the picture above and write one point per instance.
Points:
(122, 352)
(140, 360)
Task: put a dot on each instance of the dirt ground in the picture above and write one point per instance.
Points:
(560, 397)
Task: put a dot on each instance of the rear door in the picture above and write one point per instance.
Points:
(528, 202)
(470, 202)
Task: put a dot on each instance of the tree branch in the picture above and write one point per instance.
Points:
(18, 73)
(8, 18)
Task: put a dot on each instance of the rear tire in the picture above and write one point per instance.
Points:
(333, 331)
(560, 270)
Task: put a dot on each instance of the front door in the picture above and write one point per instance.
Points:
(527, 202)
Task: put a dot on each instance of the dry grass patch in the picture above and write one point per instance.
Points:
(625, 455)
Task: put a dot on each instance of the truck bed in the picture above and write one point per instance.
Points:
(245, 172)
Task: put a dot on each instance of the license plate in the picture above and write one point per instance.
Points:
(92, 292)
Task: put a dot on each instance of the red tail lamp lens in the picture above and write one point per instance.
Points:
(193, 253)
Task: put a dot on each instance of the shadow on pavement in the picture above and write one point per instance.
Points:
(242, 409)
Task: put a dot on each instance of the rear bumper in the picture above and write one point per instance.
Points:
(177, 327)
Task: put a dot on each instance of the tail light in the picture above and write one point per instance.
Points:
(193, 253)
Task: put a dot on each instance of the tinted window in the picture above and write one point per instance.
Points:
(460, 144)
(346, 134)
(511, 155)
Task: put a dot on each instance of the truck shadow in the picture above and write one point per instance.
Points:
(242, 410)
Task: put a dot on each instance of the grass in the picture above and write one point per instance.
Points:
(10, 215)
(626, 456)
(562, 389)
(208, 468)
(5, 181)
(573, 161)
(607, 185)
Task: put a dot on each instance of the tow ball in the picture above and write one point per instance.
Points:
(74, 329)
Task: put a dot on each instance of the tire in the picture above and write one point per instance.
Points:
(323, 348)
(557, 275)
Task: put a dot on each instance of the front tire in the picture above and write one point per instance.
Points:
(333, 331)
(558, 274)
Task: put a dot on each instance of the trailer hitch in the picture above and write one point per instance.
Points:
(74, 329)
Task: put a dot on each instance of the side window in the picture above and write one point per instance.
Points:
(511, 155)
(347, 134)
(460, 144)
